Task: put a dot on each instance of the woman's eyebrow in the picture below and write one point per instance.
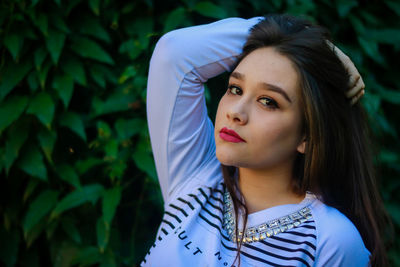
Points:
(237, 75)
(266, 86)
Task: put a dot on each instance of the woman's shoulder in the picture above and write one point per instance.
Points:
(331, 219)
(338, 240)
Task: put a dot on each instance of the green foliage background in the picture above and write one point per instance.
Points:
(77, 179)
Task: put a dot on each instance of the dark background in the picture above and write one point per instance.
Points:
(77, 180)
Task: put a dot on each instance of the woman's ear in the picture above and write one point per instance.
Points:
(302, 146)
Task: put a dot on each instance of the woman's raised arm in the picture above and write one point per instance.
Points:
(182, 135)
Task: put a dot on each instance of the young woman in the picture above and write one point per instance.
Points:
(285, 177)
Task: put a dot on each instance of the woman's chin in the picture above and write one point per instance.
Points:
(226, 158)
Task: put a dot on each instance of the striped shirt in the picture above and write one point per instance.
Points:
(182, 135)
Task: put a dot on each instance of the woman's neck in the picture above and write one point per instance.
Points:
(264, 189)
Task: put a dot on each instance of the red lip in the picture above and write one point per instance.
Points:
(230, 135)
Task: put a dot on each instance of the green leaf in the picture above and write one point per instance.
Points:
(390, 96)
(111, 150)
(46, 140)
(14, 43)
(59, 23)
(357, 24)
(74, 122)
(39, 208)
(129, 72)
(276, 3)
(71, 4)
(64, 85)
(385, 125)
(9, 246)
(51, 228)
(140, 84)
(30, 188)
(17, 135)
(132, 47)
(301, 8)
(87, 193)
(394, 6)
(39, 56)
(42, 23)
(141, 27)
(90, 49)
(372, 102)
(128, 8)
(42, 74)
(34, 233)
(68, 174)
(117, 169)
(98, 74)
(42, 106)
(371, 49)
(32, 163)
(82, 166)
(394, 211)
(92, 27)
(103, 130)
(109, 260)
(344, 6)
(111, 200)
(33, 81)
(34, 3)
(25, 30)
(118, 101)
(387, 156)
(65, 253)
(74, 68)
(209, 9)
(12, 74)
(103, 234)
(55, 42)
(69, 227)
(385, 36)
(95, 6)
(128, 128)
(11, 109)
(174, 19)
(370, 18)
(87, 256)
(144, 160)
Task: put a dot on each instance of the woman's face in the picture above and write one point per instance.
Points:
(262, 106)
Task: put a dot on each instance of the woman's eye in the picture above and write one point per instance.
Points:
(268, 102)
(234, 90)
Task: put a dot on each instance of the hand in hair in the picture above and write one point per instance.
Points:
(356, 84)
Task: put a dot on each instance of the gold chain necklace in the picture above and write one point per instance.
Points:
(264, 230)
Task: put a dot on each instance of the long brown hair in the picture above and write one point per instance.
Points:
(337, 164)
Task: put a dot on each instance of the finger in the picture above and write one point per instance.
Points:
(361, 83)
(357, 97)
(345, 60)
(356, 88)
(356, 82)
(353, 80)
(353, 72)
(332, 46)
(349, 66)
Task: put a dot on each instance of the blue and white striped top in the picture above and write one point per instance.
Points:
(182, 136)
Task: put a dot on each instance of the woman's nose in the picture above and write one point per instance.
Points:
(237, 114)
